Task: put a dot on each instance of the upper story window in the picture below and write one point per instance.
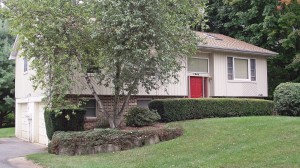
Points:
(198, 64)
(25, 65)
(241, 68)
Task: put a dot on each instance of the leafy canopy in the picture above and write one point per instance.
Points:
(126, 44)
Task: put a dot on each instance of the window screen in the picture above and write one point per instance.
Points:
(241, 68)
(197, 65)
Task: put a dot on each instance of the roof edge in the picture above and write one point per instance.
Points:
(237, 51)
(15, 49)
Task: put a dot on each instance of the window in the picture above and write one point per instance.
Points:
(241, 68)
(25, 64)
(196, 64)
(238, 68)
(143, 103)
(90, 107)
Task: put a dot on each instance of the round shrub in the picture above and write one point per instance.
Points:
(138, 116)
(287, 99)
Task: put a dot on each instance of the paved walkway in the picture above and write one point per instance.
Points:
(12, 150)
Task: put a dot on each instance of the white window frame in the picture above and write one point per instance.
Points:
(192, 72)
(233, 64)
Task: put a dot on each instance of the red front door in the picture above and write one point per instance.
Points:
(196, 87)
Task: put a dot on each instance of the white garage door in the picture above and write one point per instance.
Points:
(24, 121)
(43, 139)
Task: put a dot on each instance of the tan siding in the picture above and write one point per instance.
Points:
(178, 89)
(262, 77)
(23, 84)
(220, 77)
(224, 87)
(211, 74)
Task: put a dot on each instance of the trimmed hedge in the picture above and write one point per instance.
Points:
(107, 140)
(138, 116)
(63, 120)
(287, 99)
(186, 109)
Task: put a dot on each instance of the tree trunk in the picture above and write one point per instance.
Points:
(97, 98)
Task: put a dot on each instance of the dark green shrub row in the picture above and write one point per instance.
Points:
(185, 109)
(107, 140)
(287, 99)
(63, 120)
(138, 116)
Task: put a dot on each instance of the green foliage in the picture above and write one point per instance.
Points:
(107, 140)
(138, 116)
(127, 43)
(9, 120)
(287, 99)
(247, 142)
(6, 73)
(185, 109)
(63, 120)
(270, 24)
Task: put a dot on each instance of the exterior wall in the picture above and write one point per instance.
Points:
(101, 121)
(30, 124)
(23, 84)
(173, 89)
(239, 88)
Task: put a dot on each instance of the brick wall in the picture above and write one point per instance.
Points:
(101, 121)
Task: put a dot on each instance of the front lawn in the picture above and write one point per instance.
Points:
(222, 142)
(7, 132)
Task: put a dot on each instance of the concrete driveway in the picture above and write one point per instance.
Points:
(11, 148)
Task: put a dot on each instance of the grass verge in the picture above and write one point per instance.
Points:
(222, 142)
(7, 132)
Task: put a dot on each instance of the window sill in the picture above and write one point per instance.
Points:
(241, 81)
(90, 118)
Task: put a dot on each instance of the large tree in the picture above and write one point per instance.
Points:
(6, 73)
(126, 43)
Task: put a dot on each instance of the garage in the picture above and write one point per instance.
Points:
(30, 124)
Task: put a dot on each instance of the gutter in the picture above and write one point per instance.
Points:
(237, 50)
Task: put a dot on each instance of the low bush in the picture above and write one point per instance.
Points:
(9, 120)
(107, 140)
(138, 116)
(185, 109)
(63, 120)
(287, 99)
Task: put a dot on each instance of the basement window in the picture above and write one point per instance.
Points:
(90, 107)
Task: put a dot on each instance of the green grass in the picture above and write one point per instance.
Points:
(224, 142)
(7, 132)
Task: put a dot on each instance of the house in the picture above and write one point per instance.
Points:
(223, 67)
